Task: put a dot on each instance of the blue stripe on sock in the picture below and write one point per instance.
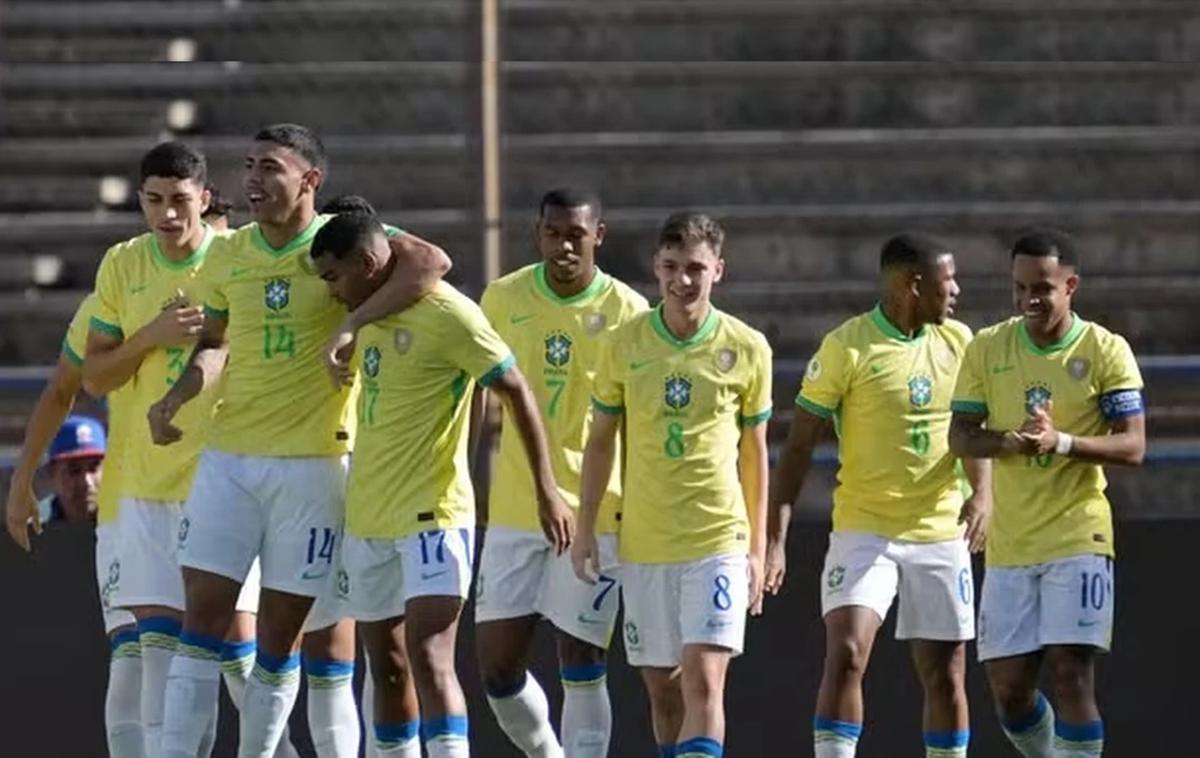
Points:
(847, 729)
(123, 638)
(277, 665)
(397, 733)
(328, 668)
(666, 751)
(202, 641)
(948, 740)
(1025, 723)
(701, 745)
(501, 693)
(444, 726)
(160, 625)
(1089, 732)
(235, 651)
(583, 674)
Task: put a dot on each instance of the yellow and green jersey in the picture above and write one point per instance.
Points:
(556, 342)
(685, 403)
(410, 471)
(134, 284)
(277, 399)
(1049, 506)
(889, 395)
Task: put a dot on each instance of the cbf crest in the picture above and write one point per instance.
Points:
(276, 293)
(1036, 396)
(371, 360)
(558, 349)
(677, 391)
(920, 390)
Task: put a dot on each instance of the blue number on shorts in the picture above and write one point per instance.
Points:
(1093, 588)
(608, 583)
(721, 598)
(964, 586)
(439, 551)
(325, 551)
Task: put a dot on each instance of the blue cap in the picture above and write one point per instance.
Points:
(79, 437)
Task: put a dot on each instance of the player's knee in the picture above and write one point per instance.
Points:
(1014, 698)
(847, 657)
(943, 677)
(1071, 680)
(664, 690)
(390, 672)
(501, 675)
(576, 652)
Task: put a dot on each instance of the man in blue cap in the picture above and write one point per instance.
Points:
(75, 461)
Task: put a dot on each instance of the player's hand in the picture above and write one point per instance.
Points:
(178, 323)
(756, 584)
(160, 415)
(776, 566)
(1039, 431)
(558, 522)
(337, 354)
(976, 513)
(21, 515)
(585, 556)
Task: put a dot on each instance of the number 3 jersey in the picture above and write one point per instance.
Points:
(889, 396)
(685, 403)
(134, 284)
(556, 343)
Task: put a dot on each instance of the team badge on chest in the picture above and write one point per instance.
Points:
(371, 360)
(920, 390)
(677, 392)
(1036, 396)
(558, 349)
(726, 359)
(276, 293)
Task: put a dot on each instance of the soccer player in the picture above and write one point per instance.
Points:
(554, 314)
(1052, 398)
(410, 512)
(694, 387)
(887, 376)
(146, 320)
(271, 480)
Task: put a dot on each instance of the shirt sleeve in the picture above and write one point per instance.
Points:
(608, 386)
(1120, 382)
(210, 283)
(756, 403)
(826, 379)
(970, 393)
(475, 347)
(74, 345)
(106, 317)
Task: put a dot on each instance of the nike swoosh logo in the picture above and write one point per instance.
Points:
(140, 288)
(635, 365)
(434, 575)
(587, 619)
(520, 319)
(1002, 369)
(319, 573)
(875, 370)
(238, 271)
(1086, 624)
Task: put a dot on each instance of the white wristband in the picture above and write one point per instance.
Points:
(1064, 444)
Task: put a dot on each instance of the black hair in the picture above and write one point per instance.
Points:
(218, 205)
(348, 204)
(301, 139)
(571, 197)
(174, 160)
(911, 250)
(1048, 243)
(344, 234)
(686, 228)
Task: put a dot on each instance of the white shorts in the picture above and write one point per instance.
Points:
(382, 575)
(519, 575)
(670, 605)
(933, 579)
(147, 538)
(287, 512)
(1064, 602)
(108, 574)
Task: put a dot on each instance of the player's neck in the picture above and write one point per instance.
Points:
(683, 322)
(904, 319)
(1054, 333)
(571, 289)
(184, 249)
(279, 234)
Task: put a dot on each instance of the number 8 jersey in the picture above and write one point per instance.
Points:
(889, 397)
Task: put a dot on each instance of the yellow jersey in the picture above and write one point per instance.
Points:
(556, 342)
(685, 404)
(277, 399)
(134, 284)
(1049, 506)
(889, 395)
(410, 470)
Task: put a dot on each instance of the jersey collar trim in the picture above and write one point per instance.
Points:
(889, 329)
(300, 240)
(1067, 340)
(195, 258)
(660, 328)
(599, 278)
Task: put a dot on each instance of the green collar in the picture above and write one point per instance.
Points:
(194, 259)
(706, 329)
(599, 278)
(889, 329)
(1067, 340)
(300, 240)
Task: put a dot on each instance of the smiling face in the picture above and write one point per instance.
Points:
(567, 239)
(686, 274)
(1042, 291)
(276, 181)
(173, 207)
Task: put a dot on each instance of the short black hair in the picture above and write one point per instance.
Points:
(301, 139)
(1048, 243)
(348, 204)
(344, 234)
(911, 249)
(174, 160)
(683, 229)
(218, 205)
(571, 197)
